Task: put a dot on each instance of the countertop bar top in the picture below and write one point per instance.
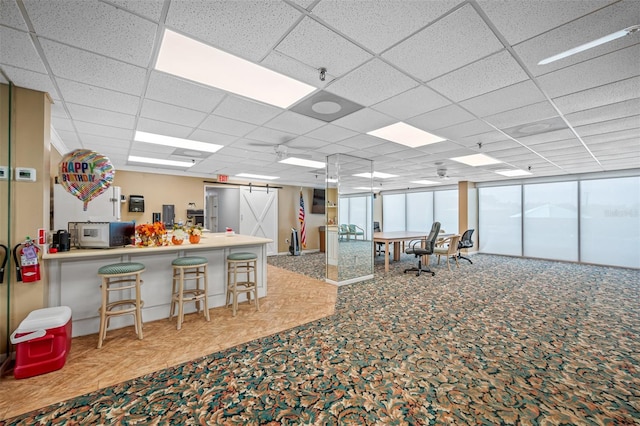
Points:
(208, 240)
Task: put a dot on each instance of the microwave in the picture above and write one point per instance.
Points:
(101, 234)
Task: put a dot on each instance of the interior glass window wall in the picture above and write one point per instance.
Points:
(551, 220)
(500, 220)
(445, 210)
(394, 212)
(610, 221)
(419, 211)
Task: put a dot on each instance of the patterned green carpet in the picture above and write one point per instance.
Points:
(502, 341)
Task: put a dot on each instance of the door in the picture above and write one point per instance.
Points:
(259, 215)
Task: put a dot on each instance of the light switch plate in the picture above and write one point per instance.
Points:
(4, 172)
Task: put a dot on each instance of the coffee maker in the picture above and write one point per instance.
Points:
(61, 240)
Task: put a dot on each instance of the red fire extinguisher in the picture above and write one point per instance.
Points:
(28, 266)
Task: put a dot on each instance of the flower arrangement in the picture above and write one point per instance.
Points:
(151, 234)
(195, 230)
(178, 234)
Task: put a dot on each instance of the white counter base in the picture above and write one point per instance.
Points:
(73, 279)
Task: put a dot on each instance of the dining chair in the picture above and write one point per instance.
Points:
(448, 247)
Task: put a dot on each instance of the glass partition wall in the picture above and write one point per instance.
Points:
(349, 216)
(5, 225)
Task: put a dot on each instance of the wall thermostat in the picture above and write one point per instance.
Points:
(4, 172)
(25, 174)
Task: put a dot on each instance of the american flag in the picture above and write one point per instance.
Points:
(303, 233)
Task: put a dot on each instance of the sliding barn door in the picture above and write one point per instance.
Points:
(259, 215)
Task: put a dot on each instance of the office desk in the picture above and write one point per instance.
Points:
(396, 237)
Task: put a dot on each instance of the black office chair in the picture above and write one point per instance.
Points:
(422, 248)
(379, 246)
(465, 242)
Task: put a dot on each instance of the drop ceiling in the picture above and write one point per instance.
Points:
(463, 70)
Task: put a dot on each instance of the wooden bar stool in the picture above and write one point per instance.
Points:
(120, 277)
(189, 268)
(242, 263)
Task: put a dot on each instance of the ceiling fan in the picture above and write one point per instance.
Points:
(442, 173)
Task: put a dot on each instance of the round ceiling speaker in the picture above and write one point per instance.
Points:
(326, 107)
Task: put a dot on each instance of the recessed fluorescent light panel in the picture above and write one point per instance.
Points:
(476, 160)
(406, 135)
(379, 175)
(252, 176)
(513, 172)
(424, 182)
(190, 59)
(330, 180)
(591, 44)
(363, 188)
(177, 142)
(159, 162)
(295, 161)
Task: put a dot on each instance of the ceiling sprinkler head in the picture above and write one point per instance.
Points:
(323, 74)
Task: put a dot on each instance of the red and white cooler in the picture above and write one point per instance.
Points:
(43, 341)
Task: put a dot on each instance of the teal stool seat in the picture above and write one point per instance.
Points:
(121, 268)
(120, 278)
(242, 256)
(189, 261)
(189, 268)
(238, 264)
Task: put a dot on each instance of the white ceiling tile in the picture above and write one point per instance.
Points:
(411, 103)
(295, 69)
(602, 70)
(626, 123)
(520, 20)
(617, 17)
(473, 127)
(556, 135)
(523, 115)
(105, 141)
(612, 136)
(362, 142)
(440, 118)
(604, 113)
(100, 130)
(378, 24)
(212, 137)
(357, 85)
(32, 80)
(162, 128)
(248, 29)
(485, 138)
(169, 89)
(270, 136)
(364, 120)
(70, 139)
(510, 97)
(96, 70)
(331, 133)
(18, 49)
(171, 113)
(227, 126)
(148, 8)
(294, 123)
(11, 16)
(454, 41)
(57, 111)
(317, 46)
(246, 110)
(608, 94)
(62, 124)
(2, 79)
(94, 26)
(101, 116)
(84, 94)
(496, 71)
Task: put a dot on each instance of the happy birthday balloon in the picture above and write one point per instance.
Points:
(85, 174)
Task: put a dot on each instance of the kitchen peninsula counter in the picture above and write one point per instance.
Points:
(73, 276)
